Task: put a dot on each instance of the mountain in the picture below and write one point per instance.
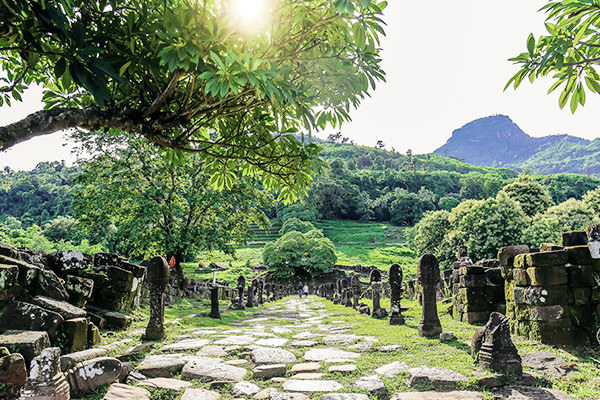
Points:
(496, 141)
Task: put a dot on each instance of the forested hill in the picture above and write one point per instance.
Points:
(496, 141)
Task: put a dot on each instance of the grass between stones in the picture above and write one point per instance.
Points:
(417, 351)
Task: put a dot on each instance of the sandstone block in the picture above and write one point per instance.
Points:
(119, 391)
(89, 375)
(117, 320)
(547, 276)
(494, 277)
(66, 310)
(9, 275)
(75, 331)
(506, 255)
(13, 375)
(579, 254)
(581, 295)
(269, 371)
(434, 376)
(543, 295)
(473, 281)
(476, 317)
(581, 275)
(49, 285)
(68, 361)
(473, 270)
(28, 343)
(546, 258)
(520, 277)
(79, 289)
(29, 317)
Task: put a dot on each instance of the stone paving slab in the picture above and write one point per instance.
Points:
(293, 385)
(175, 385)
(200, 394)
(185, 345)
(454, 395)
(215, 371)
(119, 391)
(328, 354)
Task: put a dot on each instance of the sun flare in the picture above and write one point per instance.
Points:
(250, 14)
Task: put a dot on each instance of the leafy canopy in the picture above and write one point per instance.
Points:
(157, 207)
(190, 76)
(569, 53)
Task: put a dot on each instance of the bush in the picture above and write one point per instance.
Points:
(295, 224)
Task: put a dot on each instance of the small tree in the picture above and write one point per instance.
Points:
(295, 224)
(295, 252)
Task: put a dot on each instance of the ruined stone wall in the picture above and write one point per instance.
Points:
(477, 290)
(552, 296)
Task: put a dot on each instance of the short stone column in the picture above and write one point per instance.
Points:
(337, 296)
(355, 283)
(157, 277)
(214, 303)
(395, 278)
(241, 284)
(46, 381)
(428, 272)
(498, 353)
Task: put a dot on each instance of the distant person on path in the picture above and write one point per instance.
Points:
(300, 290)
(305, 290)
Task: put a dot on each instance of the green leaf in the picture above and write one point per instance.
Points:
(531, 44)
(60, 67)
(574, 101)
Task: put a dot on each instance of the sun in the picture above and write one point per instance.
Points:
(251, 15)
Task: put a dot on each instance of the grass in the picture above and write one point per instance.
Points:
(355, 232)
(380, 256)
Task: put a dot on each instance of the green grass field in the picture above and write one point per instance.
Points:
(356, 243)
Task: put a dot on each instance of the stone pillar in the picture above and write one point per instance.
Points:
(267, 287)
(337, 295)
(250, 296)
(355, 283)
(46, 381)
(214, 303)
(345, 294)
(375, 280)
(241, 284)
(157, 277)
(261, 287)
(395, 279)
(428, 272)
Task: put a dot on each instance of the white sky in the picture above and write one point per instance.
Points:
(446, 65)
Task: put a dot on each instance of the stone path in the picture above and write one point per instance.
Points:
(289, 350)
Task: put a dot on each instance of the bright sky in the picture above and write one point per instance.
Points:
(446, 65)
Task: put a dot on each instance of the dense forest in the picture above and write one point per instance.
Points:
(361, 184)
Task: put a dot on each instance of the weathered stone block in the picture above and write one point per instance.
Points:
(494, 277)
(543, 295)
(66, 310)
(117, 320)
(520, 277)
(472, 281)
(28, 273)
(581, 275)
(520, 261)
(49, 285)
(13, 375)
(546, 258)
(506, 273)
(499, 307)
(547, 276)
(506, 255)
(93, 334)
(474, 307)
(89, 375)
(581, 295)
(472, 295)
(473, 270)
(106, 259)
(137, 270)
(75, 331)
(547, 313)
(80, 289)
(62, 262)
(28, 343)
(579, 255)
(120, 280)
(29, 317)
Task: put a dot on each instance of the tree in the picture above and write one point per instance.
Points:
(492, 224)
(568, 216)
(295, 254)
(161, 207)
(195, 76)
(295, 224)
(533, 197)
(570, 52)
(592, 200)
(429, 232)
(62, 228)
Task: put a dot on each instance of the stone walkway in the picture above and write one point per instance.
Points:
(286, 351)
